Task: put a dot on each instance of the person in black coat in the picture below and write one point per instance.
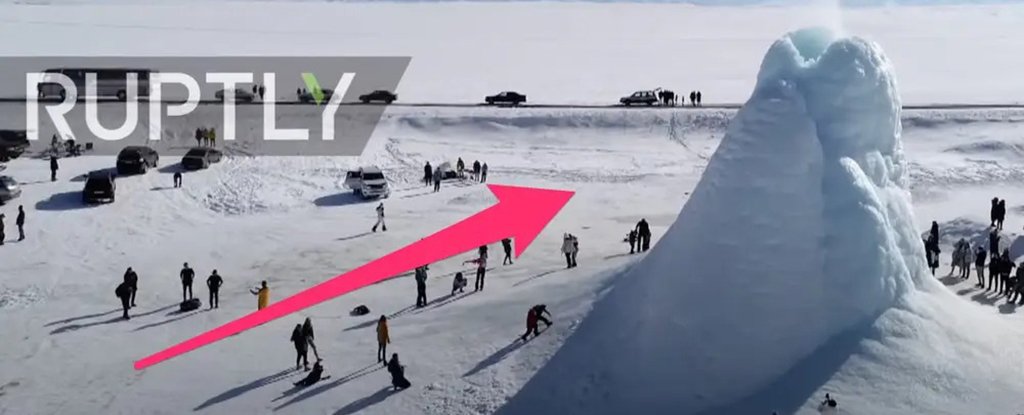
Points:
(301, 347)
(314, 376)
(397, 371)
(1000, 214)
(993, 271)
(506, 244)
(993, 243)
(186, 275)
(2, 234)
(132, 279)
(20, 221)
(992, 211)
(124, 292)
(979, 265)
(53, 168)
(428, 174)
(643, 233)
(213, 282)
(1006, 268)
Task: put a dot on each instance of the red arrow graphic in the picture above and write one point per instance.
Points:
(521, 213)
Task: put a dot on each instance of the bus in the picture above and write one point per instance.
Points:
(110, 82)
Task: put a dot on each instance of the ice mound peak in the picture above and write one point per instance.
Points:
(800, 228)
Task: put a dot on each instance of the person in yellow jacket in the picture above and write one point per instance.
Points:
(382, 340)
(213, 137)
(262, 296)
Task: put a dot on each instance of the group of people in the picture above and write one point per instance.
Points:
(997, 213)
(639, 237)
(258, 90)
(669, 98)
(432, 175)
(18, 221)
(213, 283)
(206, 137)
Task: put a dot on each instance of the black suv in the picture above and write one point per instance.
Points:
(136, 159)
(12, 144)
(507, 98)
(379, 95)
(200, 158)
(99, 187)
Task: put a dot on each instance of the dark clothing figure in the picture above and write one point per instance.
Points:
(632, 241)
(124, 293)
(481, 271)
(437, 180)
(307, 333)
(979, 265)
(213, 282)
(428, 174)
(693, 98)
(177, 179)
(1018, 288)
(476, 170)
(397, 371)
(199, 137)
(459, 283)
(187, 275)
(993, 243)
(314, 376)
(698, 99)
(483, 173)
(421, 287)
(1000, 214)
(53, 168)
(301, 347)
(1006, 269)
(20, 221)
(533, 317)
(931, 247)
(993, 272)
(262, 91)
(2, 234)
(132, 279)
(460, 166)
(643, 233)
(992, 212)
(506, 244)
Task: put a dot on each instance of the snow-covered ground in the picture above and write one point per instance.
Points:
(289, 221)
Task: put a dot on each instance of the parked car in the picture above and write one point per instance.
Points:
(13, 144)
(9, 189)
(368, 182)
(99, 187)
(136, 159)
(200, 158)
(241, 95)
(507, 97)
(640, 97)
(379, 95)
(308, 96)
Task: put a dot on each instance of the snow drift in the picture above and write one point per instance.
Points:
(800, 229)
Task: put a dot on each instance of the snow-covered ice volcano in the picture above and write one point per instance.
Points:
(797, 245)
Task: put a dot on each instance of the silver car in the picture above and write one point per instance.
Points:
(9, 189)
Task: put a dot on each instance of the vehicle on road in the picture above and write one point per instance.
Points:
(241, 95)
(136, 159)
(109, 82)
(200, 158)
(9, 189)
(99, 187)
(368, 182)
(13, 144)
(506, 98)
(381, 95)
(307, 96)
(640, 97)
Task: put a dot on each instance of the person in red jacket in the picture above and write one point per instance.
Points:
(534, 316)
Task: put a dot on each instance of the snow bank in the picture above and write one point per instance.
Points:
(800, 229)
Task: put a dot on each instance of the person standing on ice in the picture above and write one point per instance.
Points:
(483, 173)
(307, 333)
(533, 317)
(993, 270)
(20, 221)
(966, 261)
(643, 233)
(460, 168)
(631, 238)
(428, 173)
(213, 137)
(262, 296)
(213, 282)
(380, 218)
(421, 287)
(481, 270)
(53, 168)
(383, 339)
(476, 170)
(979, 265)
(186, 275)
(699, 99)
(199, 137)
(133, 282)
(124, 293)
(262, 91)
(1007, 266)
(693, 98)
(2, 234)
(1018, 289)
(177, 179)
(301, 348)
(993, 242)
(569, 249)
(992, 211)
(1000, 214)
(437, 180)
(506, 244)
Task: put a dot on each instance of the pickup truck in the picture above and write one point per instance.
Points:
(368, 182)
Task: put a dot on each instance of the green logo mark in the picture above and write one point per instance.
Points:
(314, 87)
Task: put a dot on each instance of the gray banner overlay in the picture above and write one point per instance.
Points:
(289, 102)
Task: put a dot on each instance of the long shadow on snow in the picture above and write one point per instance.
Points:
(178, 316)
(794, 388)
(239, 390)
(541, 275)
(87, 316)
(366, 402)
(351, 237)
(63, 201)
(496, 357)
(339, 199)
(323, 387)
(73, 327)
(173, 168)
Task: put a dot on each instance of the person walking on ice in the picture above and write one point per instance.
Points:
(506, 244)
(307, 333)
(383, 339)
(262, 296)
(177, 179)
(301, 348)
(186, 275)
(421, 287)
(569, 248)
(534, 316)
(380, 218)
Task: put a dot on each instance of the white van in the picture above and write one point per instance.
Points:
(368, 182)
